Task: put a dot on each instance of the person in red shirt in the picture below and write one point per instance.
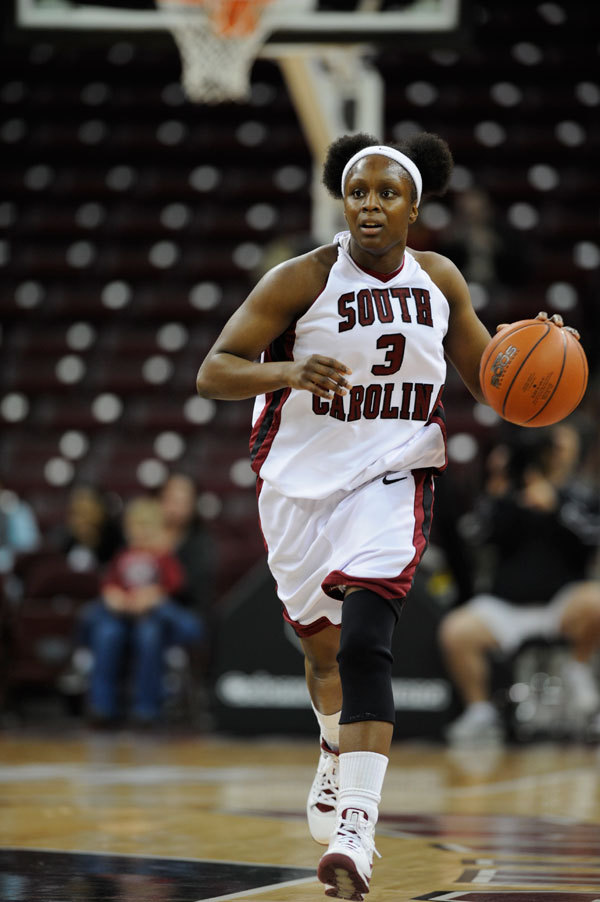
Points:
(136, 618)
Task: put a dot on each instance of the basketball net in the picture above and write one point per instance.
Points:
(218, 41)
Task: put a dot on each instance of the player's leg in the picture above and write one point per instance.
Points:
(379, 532)
(321, 668)
(323, 681)
(367, 723)
(298, 557)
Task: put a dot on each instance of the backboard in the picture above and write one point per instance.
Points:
(289, 21)
(321, 46)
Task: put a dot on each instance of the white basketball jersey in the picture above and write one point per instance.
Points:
(389, 331)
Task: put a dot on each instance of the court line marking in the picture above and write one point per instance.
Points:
(262, 889)
(528, 782)
(109, 774)
(533, 864)
(485, 875)
(105, 774)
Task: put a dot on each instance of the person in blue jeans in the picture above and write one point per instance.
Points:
(135, 619)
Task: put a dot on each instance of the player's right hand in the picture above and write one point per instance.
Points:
(323, 376)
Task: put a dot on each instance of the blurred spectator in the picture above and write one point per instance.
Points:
(136, 618)
(484, 251)
(543, 528)
(457, 554)
(186, 538)
(91, 533)
(282, 248)
(18, 528)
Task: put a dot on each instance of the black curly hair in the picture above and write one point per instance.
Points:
(429, 152)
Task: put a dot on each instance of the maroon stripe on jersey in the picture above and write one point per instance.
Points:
(382, 276)
(395, 586)
(438, 415)
(266, 427)
(259, 484)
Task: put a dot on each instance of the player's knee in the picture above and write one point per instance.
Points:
(365, 659)
(320, 653)
(364, 654)
(323, 669)
(366, 637)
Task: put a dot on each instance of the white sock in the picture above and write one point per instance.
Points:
(361, 781)
(329, 725)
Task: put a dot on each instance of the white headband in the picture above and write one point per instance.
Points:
(393, 154)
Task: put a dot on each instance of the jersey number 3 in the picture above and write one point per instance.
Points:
(394, 357)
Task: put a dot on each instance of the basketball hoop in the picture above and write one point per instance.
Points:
(218, 41)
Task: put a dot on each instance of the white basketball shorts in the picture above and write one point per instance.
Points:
(372, 537)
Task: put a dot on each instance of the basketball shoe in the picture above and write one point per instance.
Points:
(321, 806)
(347, 864)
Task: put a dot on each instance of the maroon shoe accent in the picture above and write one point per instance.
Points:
(325, 808)
(326, 748)
(333, 894)
(361, 810)
(339, 872)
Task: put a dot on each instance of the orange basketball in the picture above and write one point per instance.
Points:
(533, 373)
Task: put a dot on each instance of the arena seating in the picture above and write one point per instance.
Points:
(132, 222)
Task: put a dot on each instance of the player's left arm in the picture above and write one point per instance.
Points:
(467, 337)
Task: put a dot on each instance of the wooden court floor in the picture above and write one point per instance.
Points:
(132, 818)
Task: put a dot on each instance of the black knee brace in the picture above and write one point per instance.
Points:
(365, 658)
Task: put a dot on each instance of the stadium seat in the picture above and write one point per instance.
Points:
(132, 210)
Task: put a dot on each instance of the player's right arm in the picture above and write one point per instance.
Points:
(232, 370)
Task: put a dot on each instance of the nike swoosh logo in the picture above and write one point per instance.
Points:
(387, 481)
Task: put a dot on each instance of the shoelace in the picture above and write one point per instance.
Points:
(357, 836)
(327, 790)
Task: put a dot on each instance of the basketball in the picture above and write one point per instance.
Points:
(533, 373)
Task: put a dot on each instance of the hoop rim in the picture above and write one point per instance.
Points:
(229, 18)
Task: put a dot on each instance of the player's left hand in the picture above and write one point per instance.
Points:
(556, 318)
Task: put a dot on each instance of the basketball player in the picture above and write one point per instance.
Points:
(348, 433)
